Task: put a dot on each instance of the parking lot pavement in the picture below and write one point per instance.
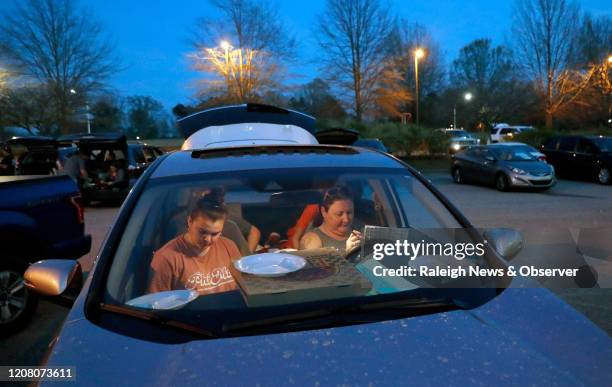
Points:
(569, 204)
(98, 221)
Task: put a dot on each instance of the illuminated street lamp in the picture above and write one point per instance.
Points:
(467, 97)
(610, 59)
(73, 91)
(418, 54)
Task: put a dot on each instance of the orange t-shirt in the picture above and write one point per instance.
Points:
(307, 217)
(177, 266)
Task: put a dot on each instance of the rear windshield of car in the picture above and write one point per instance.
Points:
(150, 258)
(516, 153)
(457, 133)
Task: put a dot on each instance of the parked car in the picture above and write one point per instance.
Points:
(132, 158)
(342, 136)
(504, 166)
(505, 132)
(35, 155)
(354, 334)
(140, 156)
(459, 139)
(582, 157)
(41, 217)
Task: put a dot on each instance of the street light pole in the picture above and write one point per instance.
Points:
(73, 91)
(467, 97)
(418, 53)
(88, 119)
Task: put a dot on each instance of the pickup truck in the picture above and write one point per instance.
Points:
(41, 217)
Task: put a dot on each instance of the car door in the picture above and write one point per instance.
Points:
(585, 159)
(487, 167)
(468, 162)
(566, 155)
(550, 149)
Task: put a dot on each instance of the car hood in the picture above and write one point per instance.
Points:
(530, 166)
(462, 139)
(523, 336)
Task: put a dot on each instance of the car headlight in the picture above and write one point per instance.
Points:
(455, 146)
(519, 171)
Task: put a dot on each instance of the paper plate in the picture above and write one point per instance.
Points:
(270, 264)
(172, 299)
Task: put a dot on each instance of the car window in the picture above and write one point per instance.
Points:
(149, 155)
(551, 144)
(604, 144)
(138, 154)
(272, 201)
(516, 153)
(567, 144)
(474, 152)
(507, 130)
(585, 146)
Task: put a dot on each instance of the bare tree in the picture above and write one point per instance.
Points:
(241, 75)
(409, 37)
(246, 24)
(353, 36)
(27, 107)
(257, 45)
(546, 32)
(61, 47)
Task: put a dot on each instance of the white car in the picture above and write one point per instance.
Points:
(505, 132)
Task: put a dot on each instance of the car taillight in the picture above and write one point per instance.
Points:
(542, 158)
(77, 202)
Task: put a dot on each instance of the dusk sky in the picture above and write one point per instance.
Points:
(152, 36)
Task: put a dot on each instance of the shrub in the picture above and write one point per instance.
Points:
(536, 137)
(409, 140)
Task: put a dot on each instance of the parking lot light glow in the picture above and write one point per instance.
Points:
(468, 96)
(225, 45)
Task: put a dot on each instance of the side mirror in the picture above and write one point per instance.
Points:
(506, 241)
(55, 277)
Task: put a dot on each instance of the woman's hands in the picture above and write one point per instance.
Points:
(353, 241)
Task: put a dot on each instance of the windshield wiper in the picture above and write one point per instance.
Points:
(340, 316)
(143, 315)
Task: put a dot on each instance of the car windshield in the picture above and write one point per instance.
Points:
(457, 133)
(274, 276)
(604, 143)
(516, 153)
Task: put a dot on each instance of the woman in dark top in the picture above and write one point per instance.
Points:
(336, 230)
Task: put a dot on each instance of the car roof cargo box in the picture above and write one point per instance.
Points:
(114, 140)
(34, 142)
(247, 113)
(337, 136)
